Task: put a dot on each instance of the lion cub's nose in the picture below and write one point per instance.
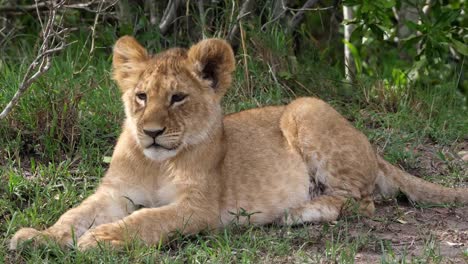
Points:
(154, 133)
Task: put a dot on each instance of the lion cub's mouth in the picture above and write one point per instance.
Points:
(156, 146)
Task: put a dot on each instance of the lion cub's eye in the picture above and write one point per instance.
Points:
(141, 96)
(178, 97)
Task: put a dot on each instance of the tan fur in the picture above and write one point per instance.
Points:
(297, 163)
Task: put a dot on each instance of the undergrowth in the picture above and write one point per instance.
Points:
(55, 143)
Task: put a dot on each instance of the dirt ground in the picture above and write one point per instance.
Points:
(409, 229)
(411, 232)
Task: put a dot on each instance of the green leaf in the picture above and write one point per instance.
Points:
(357, 34)
(388, 3)
(411, 41)
(106, 159)
(350, 21)
(356, 56)
(447, 17)
(285, 75)
(460, 47)
(414, 26)
(351, 2)
(377, 31)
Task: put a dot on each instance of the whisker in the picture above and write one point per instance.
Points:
(172, 134)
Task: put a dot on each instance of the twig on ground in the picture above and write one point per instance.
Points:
(53, 41)
(280, 85)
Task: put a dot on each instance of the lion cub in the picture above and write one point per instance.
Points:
(192, 169)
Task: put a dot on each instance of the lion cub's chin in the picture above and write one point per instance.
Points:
(159, 154)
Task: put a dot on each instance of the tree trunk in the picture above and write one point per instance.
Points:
(350, 69)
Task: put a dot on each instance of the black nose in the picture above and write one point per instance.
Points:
(154, 133)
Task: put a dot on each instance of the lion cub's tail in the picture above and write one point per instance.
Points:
(392, 179)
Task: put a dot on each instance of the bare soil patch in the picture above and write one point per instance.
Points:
(410, 232)
(410, 229)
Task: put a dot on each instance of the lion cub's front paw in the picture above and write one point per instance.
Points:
(25, 234)
(110, 234)
(61, 235)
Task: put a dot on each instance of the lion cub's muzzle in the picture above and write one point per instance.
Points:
(154, 134)
(160, 139)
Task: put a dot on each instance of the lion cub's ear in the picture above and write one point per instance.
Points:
(213, 60)
(128, 62)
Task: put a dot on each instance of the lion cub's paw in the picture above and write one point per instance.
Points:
(60, 235)
(25, 234)
(107, 234)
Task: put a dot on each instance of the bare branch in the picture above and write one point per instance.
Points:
(94, 6)
(43, 5)
(152, 8)
(201, 9)
(297, 18)
(82, 5)
(51, 32)
(93, 28)
(311, 9)
(245, 10)
(280, 9)
(169, 16)
(16, 8)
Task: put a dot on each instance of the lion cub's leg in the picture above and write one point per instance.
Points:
(104, 206)
(153, 225)
(342, 164)
(325, 208)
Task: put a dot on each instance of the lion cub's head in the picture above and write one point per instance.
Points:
(172, 99)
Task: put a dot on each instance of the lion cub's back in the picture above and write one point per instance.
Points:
(261, 172)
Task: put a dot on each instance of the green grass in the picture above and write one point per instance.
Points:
(54, 143)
